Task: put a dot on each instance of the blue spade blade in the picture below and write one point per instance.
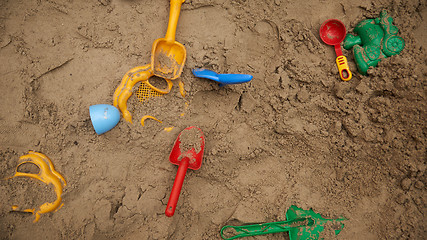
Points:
(223, 79)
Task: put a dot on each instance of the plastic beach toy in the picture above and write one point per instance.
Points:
(167, 55)
(167, 61)
(332, 32)
(187, 152)
(46, 174)
(301, 225)
(222, 79)
(376, 39)
(104, 117)
(146, 90)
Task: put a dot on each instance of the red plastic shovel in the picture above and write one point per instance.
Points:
(332, 32)
(187, 152)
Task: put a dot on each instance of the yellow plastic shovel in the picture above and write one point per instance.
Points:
(167, 55)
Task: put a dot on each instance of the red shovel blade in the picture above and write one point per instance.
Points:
(189, 143)
(187, 152)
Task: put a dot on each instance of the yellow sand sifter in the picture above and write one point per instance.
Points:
(168, 56)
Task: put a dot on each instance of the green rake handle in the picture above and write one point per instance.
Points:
(265, 228)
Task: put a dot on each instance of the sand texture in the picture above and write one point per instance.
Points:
(294, 135)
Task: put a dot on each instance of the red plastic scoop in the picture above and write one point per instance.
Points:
(187, 152)
(332, 32)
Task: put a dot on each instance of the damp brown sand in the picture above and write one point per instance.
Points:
(191, 139)
(164, 62)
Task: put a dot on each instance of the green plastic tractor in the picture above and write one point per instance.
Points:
(376, 40)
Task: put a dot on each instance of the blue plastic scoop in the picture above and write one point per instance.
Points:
(222, 79)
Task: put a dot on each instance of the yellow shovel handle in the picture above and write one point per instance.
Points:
(175, 8)
(343, 68)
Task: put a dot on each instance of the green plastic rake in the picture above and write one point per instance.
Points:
(301, 225)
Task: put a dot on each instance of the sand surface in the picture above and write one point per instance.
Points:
(295, 135)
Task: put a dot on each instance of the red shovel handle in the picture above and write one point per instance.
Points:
(176, 189)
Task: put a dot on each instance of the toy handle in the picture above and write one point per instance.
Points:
(343, 68)
(234, 78)
(175, 8)
(177, 185)
(264, 228)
